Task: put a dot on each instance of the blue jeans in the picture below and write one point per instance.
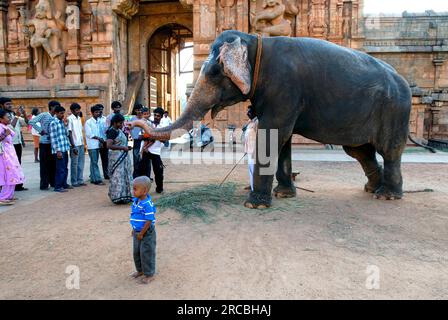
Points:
(77, 166)
(95, 175)
(61, 172)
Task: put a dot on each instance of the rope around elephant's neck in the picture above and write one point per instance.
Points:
(257, 66)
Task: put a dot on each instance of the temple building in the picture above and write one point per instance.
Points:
(97, 51)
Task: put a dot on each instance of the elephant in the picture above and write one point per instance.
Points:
(315, 88)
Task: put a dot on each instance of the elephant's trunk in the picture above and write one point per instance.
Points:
(199, 103)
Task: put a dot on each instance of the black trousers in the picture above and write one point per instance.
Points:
(104, 154)
(144, 166)
(136, 157)
(18, 148)
(47, 166)
(149, 158)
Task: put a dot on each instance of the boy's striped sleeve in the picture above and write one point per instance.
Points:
(150, 211)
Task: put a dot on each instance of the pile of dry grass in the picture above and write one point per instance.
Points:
(195, 201)
(201, 200)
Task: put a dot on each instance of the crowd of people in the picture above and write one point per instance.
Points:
(60, 139)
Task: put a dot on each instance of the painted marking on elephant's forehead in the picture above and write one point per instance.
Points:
(206, 61)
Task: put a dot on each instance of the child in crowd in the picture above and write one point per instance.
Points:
(143, 230)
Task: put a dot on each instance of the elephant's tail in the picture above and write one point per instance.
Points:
(422, 145)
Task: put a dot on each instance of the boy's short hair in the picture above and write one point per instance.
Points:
(59, 108)
(52, 104)
(4, 100)
(95, 108)
(143, 181)
(159, 110)
(117, 118)
(74, 106)
(145, 109)
(115, 104)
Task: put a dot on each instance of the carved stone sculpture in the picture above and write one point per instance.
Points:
(46, 32)
(271, 20)
(318, 26)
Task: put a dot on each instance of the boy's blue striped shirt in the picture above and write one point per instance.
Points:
(141, 212)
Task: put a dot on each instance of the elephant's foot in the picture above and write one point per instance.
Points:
(385, 193)
(258, 201)
(375, 180)
(285, 192)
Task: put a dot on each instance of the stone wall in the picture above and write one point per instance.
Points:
(416, 45)
(96, 45)
(58, 49)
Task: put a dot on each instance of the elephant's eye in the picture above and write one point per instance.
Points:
(214, 70)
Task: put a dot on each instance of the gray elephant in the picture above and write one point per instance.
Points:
(310, 87)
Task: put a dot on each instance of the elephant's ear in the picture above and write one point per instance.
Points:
(233, 56)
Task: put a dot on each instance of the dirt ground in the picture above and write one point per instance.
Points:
(317, 246)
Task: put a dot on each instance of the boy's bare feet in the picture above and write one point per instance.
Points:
(146, 279)
(136, 274)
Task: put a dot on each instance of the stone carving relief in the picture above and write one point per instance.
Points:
(125, 8)
(86, 21)
(228, 18)
(72, 21)
(186, 3)
(13, 27)
(317, 26)
(271, 19)
(45, 36)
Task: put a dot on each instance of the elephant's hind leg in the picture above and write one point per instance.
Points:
(392, 185)
(285, 187)
(365, 155)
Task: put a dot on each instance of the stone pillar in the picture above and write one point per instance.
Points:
(318, 26)
(438, 63)
(24, 68)
(3, 42)
(204, 31)
(73, 72)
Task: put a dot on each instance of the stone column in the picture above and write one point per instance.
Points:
(204, 31)
(73, 72)
(3, 42)
(438, 63)
(25, 67)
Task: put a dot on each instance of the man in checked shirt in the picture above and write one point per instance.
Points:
(60, 145)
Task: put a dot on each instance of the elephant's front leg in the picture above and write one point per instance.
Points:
(269, 142)
(260, 197)
(285, 187)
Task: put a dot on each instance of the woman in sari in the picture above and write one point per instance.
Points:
(11, 172)
(120, 172)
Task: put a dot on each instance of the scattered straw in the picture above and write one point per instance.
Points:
(197, 201)
(194, 201)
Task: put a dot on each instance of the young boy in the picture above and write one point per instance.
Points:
(143, 230)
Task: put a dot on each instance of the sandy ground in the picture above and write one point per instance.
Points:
(317, 246)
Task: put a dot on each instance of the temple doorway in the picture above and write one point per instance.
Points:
(170, 67)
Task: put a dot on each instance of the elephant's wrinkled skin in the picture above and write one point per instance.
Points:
(311, 87)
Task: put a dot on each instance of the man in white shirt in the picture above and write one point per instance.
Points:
(76, 146)
(152, 151)
(166, 120)
(93, 128)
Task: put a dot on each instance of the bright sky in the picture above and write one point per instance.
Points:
(398, 6)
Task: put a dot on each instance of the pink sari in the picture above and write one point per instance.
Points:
(10, 170)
